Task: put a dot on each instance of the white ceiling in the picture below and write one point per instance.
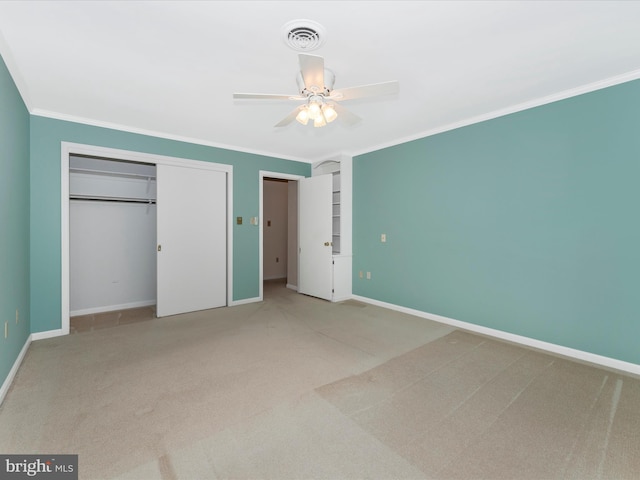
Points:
(170, 68)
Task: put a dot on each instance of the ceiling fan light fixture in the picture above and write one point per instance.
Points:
(303, 115)
(319, 121)
(329, 113)
(314, 110)
(321, 102)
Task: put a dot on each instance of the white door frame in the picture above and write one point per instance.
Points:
(261, 176)
(68, 148)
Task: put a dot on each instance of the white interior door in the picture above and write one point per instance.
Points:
(192, 239)
(315, 227)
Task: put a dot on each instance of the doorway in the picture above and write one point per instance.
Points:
(275, 240)
(278, 229)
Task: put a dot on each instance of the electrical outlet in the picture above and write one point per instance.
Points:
(361, 275)
(383, 237)
(368, 275)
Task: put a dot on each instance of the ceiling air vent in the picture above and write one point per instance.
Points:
(303, 35)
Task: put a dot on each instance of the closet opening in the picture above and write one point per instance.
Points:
(192, 242)
(112, 242)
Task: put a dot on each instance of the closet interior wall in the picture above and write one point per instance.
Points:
(112, 235)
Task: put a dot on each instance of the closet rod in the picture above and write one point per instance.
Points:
(114, 200)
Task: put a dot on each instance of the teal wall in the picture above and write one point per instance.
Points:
(14, 221)
(46, 135)
(527, 223)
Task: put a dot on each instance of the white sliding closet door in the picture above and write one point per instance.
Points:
(315, 275)
(192, 239)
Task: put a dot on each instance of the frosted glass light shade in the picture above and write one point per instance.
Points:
(303, 116)
(329, 113)
(314, 110)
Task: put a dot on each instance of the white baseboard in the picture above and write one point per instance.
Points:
(48, 334)
(292, 287)
(275, 277)
(244, 301)
(12, 373)
(111, 308)
(572, 353)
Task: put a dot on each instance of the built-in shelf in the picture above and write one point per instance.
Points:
(341, 264)
(336, 213)
(340, 170)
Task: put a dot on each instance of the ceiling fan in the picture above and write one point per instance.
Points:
(315, 87)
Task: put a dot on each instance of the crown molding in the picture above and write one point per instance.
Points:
(152, 133)
(565, 94)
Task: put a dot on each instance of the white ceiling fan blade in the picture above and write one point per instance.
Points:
(345, 115)
(288, 119)
(373, 90)
(312, 70)
(266, 96)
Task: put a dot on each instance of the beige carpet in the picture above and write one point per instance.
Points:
(298, 388)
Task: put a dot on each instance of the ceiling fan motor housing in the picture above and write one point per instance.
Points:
(329, 80)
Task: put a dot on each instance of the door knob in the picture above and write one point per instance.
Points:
(326, 244)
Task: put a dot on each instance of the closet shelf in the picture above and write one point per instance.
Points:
(111, 174)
